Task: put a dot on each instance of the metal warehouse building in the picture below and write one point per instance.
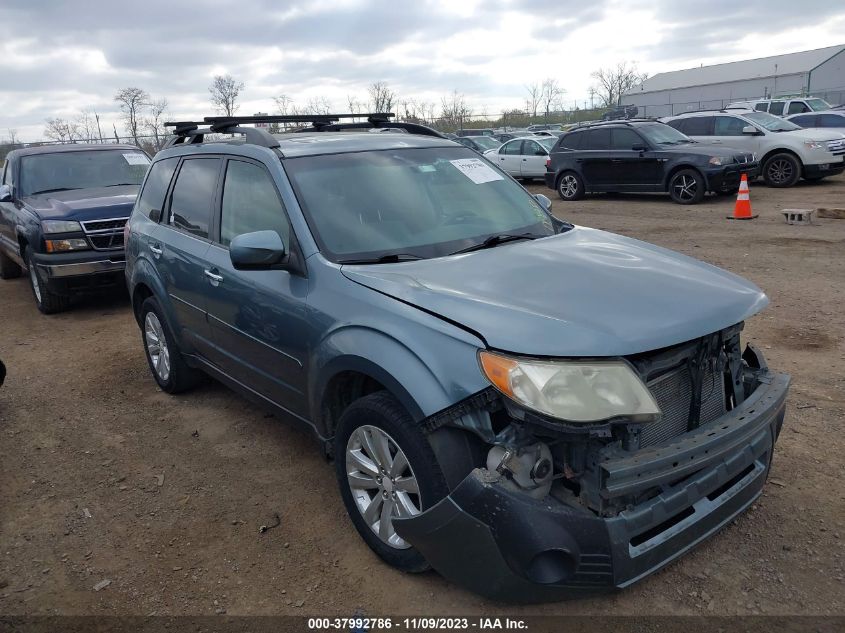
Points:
(820, 73)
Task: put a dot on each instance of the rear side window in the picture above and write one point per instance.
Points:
(597, 139)
(573, 140)
(250, 203)
(193, 195)
(155, 187)
(797, 107)
(625, 138)
(777, 108)
(829, 120)
(728, 126)
(762, 106)
(698, 126)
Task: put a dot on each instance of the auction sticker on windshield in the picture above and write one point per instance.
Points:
(476, 170)
(136, 158)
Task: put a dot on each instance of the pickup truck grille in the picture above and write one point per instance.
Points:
(837, 148)
(105, 235)
(673, 392)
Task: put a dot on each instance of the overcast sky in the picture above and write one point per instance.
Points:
(58, 57)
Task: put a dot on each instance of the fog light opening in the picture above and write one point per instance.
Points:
(551, 566)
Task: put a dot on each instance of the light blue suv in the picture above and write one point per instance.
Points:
(534, 409)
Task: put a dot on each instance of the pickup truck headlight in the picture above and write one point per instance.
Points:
(62, 246)
(574, 391)
(814, 145)
(60, 226)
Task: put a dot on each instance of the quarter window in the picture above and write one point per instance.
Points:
(763, 106)
(193, 195)
(573, 140)
(155, 187)
(250, 203)
(728, 126)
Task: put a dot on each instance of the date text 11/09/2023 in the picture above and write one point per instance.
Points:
(356, 624)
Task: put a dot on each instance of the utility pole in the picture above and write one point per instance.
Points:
(99, 131)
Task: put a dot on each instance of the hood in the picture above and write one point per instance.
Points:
(581, 293)
(84, 204)
(813, 134)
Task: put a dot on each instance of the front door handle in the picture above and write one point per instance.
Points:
(616, 160)
(156, 250)
(213, 277)
(715, 142)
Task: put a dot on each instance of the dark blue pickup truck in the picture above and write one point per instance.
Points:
(62, 213)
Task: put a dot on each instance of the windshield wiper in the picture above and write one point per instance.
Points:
(389, 258)
(495, 240)
(121, 184)
(35, 193)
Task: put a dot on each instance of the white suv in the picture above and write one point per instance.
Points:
(786, 152)
(783, 107)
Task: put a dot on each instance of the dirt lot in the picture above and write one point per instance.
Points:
(104, 477)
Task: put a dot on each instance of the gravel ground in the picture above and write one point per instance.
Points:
(118, 499)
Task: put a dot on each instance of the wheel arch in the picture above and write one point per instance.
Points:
(680, 167)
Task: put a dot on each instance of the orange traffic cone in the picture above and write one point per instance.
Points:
(742, 210)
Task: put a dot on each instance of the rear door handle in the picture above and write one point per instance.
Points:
(616, 160)
(213, 277)
(156, 250)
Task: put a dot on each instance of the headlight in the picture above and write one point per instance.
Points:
(60, 246)
(720, 160)
(60, 226)
(813, 145)
(575, 391)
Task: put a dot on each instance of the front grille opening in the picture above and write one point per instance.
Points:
(657, 530)
(730, 483)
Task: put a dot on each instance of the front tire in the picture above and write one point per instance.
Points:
(9, 269)
(48, 302)
(167, 365)
(386, 469)
(687, 187)
(570, 186)
(781, 170)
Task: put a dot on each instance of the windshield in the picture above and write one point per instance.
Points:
(42, 173)
(486, 142)
(414, 203)
(818, 104)
(663, 134)
(770, 122)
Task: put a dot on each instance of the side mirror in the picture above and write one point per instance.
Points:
(639, 148)
(749, 129)
(155, 215)
(544, 201)
(5, 193)
(260, 250)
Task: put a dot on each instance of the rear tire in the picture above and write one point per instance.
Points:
(781, 170)
(687, 187)
(48, 302)
(164, 358)
(570, 186)
(376, 445)
(9, 269)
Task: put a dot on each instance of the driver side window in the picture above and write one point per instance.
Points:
(251, 203)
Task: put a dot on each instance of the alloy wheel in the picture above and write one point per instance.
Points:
(382, 482)
(157, 346)
(685, 187)
(780, 171)
(568, 186)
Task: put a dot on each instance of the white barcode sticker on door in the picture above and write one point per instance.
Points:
(476, 170)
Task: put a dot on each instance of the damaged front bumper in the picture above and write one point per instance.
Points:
(508, 546)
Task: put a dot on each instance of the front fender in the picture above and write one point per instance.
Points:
(433, 374)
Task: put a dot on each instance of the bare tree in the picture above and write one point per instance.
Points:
(86, 126)
(454, 109)
(154, 123)
(131, 102)
(551, 93)
(58, 129)
(225, 90)
(612, 83)
(318, 105)
(13, 136)
(382, 97)
(535, 96)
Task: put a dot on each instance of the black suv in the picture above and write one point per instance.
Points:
(643, 156)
